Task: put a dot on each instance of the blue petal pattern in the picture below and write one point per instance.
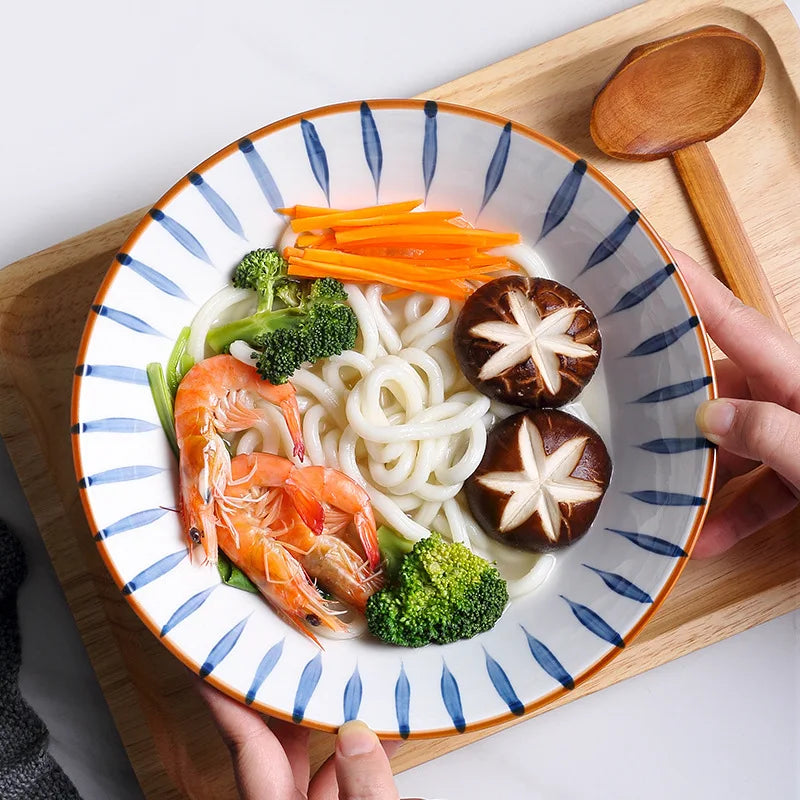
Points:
(220, 207)
(663, 340)
(154, 571)
(613, 241)
(181, 235)
(496, 166)
(316, 157)
(119, 474)
(305, 688)
(621, 585)
(262, 174)
(114, 425)
(372, 146)
(152, 276)
(655, 498)
(185, 609)
(402, 701)
(563, 198)
(430, 145)
(222, 648)
(548, 662)
(264, 668)
(452, 698)
(113, 372)
(661, 547)
(351, 702)
(594, 622)
(675, 390)
(643, 290)
(676, 445)
(126, 320)
(503, 685)
(132, 521)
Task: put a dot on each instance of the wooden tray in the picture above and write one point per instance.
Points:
(44, 300)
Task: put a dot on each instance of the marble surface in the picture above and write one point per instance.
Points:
(105, 105)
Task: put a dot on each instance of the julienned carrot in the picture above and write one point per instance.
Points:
(310, 269)
(315, 240)
(341, 220)
(424, 234)
(367, 212)
(406, 218)
(387, 266)
(409, 252)
(397, 294)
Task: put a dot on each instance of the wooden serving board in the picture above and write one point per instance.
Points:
(44, 300)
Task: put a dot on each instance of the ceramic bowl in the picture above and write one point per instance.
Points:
(655, 370)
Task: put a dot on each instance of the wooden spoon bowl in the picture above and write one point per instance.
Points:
(668, 98)
(672, 93)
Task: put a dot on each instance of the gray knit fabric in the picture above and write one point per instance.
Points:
(27, 772)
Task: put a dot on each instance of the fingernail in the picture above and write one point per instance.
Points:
(715, 417)
(355, 739)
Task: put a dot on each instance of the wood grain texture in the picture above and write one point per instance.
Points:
(715, 211)
(44, 300)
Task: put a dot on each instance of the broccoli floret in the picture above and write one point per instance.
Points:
(441, 593)
(315, 323)
(394, 548)
(263, 270)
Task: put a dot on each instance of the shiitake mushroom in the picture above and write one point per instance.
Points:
(541, 480)
(529, 342)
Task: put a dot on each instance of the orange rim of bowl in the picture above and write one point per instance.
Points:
(494, 119)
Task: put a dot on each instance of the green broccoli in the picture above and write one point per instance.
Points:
(315, 323)
(441, 593)
(263, 271)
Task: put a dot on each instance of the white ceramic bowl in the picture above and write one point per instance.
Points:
(655, 370)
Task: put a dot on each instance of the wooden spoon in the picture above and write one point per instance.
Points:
(668, 98)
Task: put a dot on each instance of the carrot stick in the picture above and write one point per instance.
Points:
(315, 240)
(409, 251)
(324, 218)
(310, 269)
(388, 266)
(407, 218)
(435, 234)
(397, 294)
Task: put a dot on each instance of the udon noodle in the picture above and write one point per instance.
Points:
(396, 415)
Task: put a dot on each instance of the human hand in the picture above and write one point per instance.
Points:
(757, 418)
(271, 761)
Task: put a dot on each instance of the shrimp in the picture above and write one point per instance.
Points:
(343, 499)
(216, 396)
(276, 572)
(326, 556)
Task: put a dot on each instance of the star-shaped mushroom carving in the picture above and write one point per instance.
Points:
(542, 339)
(542, 482)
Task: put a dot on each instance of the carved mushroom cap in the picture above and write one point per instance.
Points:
(541, 480)
(527, 341)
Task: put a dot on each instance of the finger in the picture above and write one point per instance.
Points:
(294, 741)
(731, 381)
(323, 785)
(765, 500)
(731, 466)
(258, 758)
(362, 767)
(764, 432)
(767, 354)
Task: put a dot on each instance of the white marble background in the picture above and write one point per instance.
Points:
(104, 104)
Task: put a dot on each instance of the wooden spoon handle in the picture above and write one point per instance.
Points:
(723, 228)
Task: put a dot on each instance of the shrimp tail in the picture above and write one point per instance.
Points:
(291, 413)
(308, 507)
(367, 533)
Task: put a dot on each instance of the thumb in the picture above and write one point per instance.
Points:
(362, 768)
(764, 432)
